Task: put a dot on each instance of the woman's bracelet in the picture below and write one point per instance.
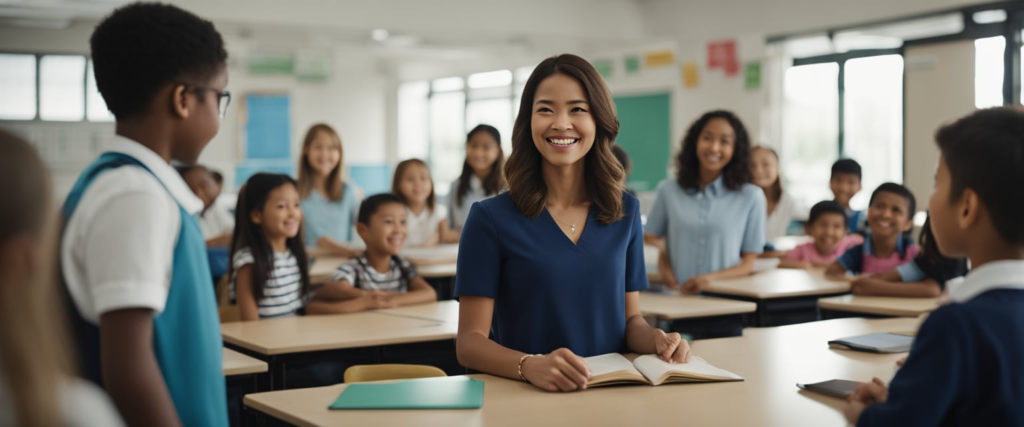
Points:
(523, 359)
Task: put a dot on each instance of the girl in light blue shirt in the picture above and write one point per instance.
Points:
(330, 204)
(711, 216)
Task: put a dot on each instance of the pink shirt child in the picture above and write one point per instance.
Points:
(808, 252)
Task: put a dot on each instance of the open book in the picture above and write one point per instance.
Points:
(614, 369)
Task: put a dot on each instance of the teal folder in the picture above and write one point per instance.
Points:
(427, 393)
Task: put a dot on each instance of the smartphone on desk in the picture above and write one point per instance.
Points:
(835, 388)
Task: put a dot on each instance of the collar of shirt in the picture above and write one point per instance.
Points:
(715, 189)
(163, 171)
(994, 275)
(869, 245)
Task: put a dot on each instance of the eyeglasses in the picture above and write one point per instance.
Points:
(223, 97)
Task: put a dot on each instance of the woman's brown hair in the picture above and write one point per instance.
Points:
(400, 170)
(602, 172)
(335, 184)
(35, 358)
(495, 181)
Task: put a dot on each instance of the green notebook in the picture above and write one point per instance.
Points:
(427, 393)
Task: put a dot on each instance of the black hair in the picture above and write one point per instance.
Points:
(984, 151)
(932, 263)
(847, 166)
(826, 207)
(141, 47)
(899, 190)
(373, 203)
(495, 181)
(252, 197)
(623, 157)
(736, 172)
(369, 207)
(217, 177)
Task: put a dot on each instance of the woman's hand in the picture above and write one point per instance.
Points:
(671, 347)
(560, 370)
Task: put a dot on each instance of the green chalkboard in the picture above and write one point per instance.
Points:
(644, 131)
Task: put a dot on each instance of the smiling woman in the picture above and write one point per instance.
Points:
(549, 272)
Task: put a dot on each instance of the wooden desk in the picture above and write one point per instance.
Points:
(323, 267)
(236, 363)
(441, 311)
(783, 296)
(360, 338)
(443, 254)
(698, 317)
(243, 375)
(879, 306)
(772, 360)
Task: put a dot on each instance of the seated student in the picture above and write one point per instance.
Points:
(215, 223)
(827, 225)
(964, 367)
(550, 271)
(269, 270)
(925, 277)
(427, 221)
(330, 203)
(379, 278)
(627, 165)
(887, 246)
(845, 183)
(782, 208)
(711, 215)
(482, 175)
(37, 387)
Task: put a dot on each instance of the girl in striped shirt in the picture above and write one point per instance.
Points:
(269, 269)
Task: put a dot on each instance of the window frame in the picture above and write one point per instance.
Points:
(37, 118)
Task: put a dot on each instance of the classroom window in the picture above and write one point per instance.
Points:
(447, 138)
(810, 130)
(873, 116)
(62, 87)
(18, 84)
(988, 71)
(494, 112)
(413, 129)
(95, 108)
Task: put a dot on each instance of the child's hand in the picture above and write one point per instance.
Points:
(695, 285)
(560, 370)
(901, 361)
(672, 347)
(865, 395)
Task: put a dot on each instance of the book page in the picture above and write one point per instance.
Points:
(659, 371)
(612, 367)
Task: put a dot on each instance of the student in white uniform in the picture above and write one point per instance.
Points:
(481, 178)
(783, 209)
(428, 225)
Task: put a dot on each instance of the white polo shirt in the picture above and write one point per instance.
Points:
(117, 251)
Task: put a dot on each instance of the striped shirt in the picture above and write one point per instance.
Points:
(282, 295)
(360, 274)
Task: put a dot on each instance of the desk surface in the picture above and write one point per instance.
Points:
(236, 363)
(677, 306)
(884, 306)
(780, 283)
(772, 360)
(301, 334)
(441, 311)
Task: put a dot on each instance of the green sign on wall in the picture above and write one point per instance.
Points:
(645, 133)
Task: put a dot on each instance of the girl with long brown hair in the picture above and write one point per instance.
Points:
(36, 383)
(330, 204)
(549, 272)
(481, 175)
(782, 208)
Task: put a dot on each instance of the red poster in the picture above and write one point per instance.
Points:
(722, 54)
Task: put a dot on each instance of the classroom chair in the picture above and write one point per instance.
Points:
(364, 373)
(228, 313)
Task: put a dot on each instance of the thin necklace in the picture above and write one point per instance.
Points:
(573, 226)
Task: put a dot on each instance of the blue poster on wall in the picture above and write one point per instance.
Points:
(267, 143)
(268, 127)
